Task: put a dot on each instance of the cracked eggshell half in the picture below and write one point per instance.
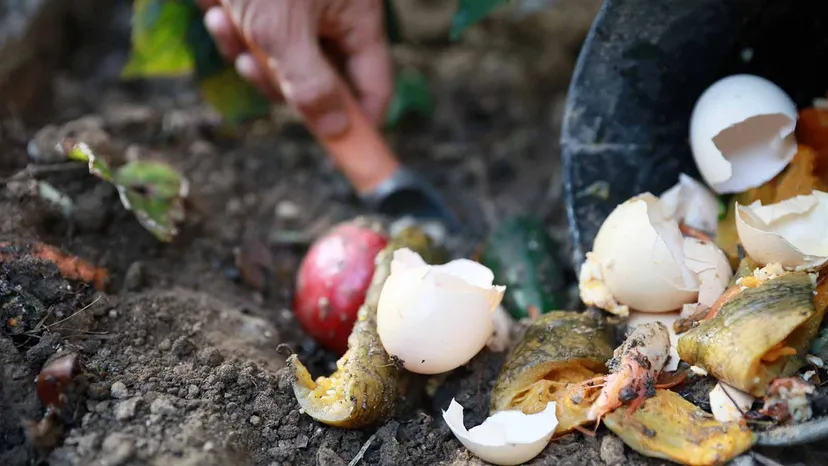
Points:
(742, 132)
(507, 437)
(690, 202)
(791, 232)
(639, 251)
(435, 318)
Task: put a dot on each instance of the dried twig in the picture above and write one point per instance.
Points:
(362, 450)
(98, 298)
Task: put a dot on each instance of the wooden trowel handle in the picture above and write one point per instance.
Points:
(360, 151)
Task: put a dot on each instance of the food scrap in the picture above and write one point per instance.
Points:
(364, 388)
(669, 427)
(559, 350)
(333, 279)
(524, 258)
(71, 267)
(506, 437)
(756, 334)
(435, 318)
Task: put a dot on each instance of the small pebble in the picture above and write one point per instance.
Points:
(255, 420)
(118, 390)
(134, 278)
(126, 409)
(612, 450)
(210, 357)
(116, 449)
(287, 210)
(162, 405)
(183, 347)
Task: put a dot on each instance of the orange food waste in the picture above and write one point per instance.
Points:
(70, 266)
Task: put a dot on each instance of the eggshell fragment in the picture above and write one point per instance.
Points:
(790, 232)
(667, 318)
(729, 404)
(742, 132)
(691, 203)
(436, 317)
(711, 267)
(503, 324)
(639, 251)
(507, 437)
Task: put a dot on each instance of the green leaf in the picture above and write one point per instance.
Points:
(470, 12)
(81, 152)
(412, 94)
(233, 97)
(154, 191)
(159, 39)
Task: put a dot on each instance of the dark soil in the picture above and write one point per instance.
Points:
(182, 357)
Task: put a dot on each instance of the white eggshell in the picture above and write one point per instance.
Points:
(436, 318)
(692, 203)
(728, 404)
(711, 267)
(507, 437)
(742, 132)
(667, 318)
(503, 324)
(640, 254)
(791, 232)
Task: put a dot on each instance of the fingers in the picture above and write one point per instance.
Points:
(231, 46)
(224, 33)
(369, 63)
(310, 83)
(250, 69)
(371, 73)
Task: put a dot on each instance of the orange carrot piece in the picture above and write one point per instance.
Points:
(725, 297)
(812, 128)
(70, 266)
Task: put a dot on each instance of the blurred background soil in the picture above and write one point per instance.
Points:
(183, 358)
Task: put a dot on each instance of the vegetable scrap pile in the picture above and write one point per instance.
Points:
(722, 297)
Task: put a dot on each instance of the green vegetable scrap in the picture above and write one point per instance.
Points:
(412, 94)
(470, 12)
(524, 258)
(159, 47)
(154, 191)
(169, 39)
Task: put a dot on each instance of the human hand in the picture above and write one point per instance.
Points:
(289, 32)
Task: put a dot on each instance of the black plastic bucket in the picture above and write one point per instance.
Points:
(641, 69)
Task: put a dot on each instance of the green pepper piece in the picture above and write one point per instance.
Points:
(524, 258)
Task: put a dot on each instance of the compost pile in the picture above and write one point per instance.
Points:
(169, 298)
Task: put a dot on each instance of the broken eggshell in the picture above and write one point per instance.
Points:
(711, 266)
(729, 404)
(638, 253)
(506, 437)
(790, 232)
(435, 318)
(691, 203)
(742, 132)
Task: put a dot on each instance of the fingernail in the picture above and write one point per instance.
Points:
(214, 19)
(246, 66)
(331, 124)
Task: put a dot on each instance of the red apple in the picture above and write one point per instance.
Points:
(333, 279)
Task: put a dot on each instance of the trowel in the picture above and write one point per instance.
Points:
(364, 157)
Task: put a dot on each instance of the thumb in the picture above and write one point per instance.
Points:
(311, 84)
